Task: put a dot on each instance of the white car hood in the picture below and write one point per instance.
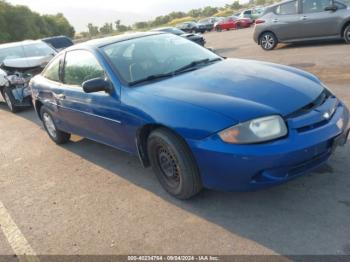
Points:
(27, 62)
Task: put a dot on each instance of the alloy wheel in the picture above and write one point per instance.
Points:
(267, 41)
(50, 126)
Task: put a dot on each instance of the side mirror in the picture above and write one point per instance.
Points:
(96, 85)
(331, 8)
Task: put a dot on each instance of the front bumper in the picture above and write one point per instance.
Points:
(249, 167)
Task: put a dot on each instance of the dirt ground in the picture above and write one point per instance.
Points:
(86, 198)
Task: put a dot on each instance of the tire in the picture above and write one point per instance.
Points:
(10, 100)
(238, 26)
(173, 164)
(347, 34)
(59, 137)
(217, 29)
(268, 41)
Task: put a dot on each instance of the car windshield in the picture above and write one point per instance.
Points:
(156, 55)
(11, 53)
(38, 49)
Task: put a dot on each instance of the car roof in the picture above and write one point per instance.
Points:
(163, 28)
(100, 42)
(14, 44)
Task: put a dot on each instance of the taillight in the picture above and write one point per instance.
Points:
(259, 21)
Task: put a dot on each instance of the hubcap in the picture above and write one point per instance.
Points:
(8, 101)
(267, 42)
(168, 167)
(348, 34)
(50, 126)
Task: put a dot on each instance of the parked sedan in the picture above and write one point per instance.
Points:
(199, 120)
(233, 22)
(296, 20)
(199, 39)
(189, 27)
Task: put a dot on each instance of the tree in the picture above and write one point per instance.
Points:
(19, 23)
(93, 30)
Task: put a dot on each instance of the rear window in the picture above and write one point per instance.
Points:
(11, 53)
(59, 43)
(289, 8)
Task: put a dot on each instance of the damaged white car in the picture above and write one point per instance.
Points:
(19, 62)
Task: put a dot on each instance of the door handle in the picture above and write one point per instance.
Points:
(304, 17)
(59, 96)
(275, 20)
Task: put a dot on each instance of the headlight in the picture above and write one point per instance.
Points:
(255, 131)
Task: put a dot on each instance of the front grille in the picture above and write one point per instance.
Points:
(311, 106)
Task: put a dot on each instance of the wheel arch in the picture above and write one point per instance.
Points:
(38, 105)
(141, 138)
(346, 24)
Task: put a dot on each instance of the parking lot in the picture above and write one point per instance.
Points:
(86, 198)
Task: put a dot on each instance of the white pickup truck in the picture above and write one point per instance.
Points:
(19, 62)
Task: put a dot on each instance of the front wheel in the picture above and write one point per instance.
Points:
(268, 41)
(10, 100)
(347, 34)
(173, 164)
(59, 137)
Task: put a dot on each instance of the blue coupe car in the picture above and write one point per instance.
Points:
(199, 120)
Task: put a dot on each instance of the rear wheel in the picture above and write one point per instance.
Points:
(59, 137)
(268, 41)
(217, 29)
(10, 100)
(173, 164)
(347, 34)
(238, 26)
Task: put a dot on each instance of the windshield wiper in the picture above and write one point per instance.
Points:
(190, 66)
(195, 63)
(150, 78)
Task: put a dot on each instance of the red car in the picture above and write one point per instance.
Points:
(233, 22)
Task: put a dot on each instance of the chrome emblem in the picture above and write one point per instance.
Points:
(326, 115)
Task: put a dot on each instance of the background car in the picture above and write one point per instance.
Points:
(59, 42)
(296, 20)
(199, 39)
(189, 27)
(18, 63)
(233, 22)
(206, 25)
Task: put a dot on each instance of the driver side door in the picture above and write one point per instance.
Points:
(96, 116)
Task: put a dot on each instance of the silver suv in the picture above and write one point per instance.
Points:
(303, 20)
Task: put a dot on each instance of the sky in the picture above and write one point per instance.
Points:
(80, 13)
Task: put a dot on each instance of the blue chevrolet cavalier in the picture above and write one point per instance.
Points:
(199, 120)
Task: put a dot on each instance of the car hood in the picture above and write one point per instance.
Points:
(242, 89)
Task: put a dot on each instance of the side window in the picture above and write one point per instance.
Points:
(340, 5)
(315, 6)
(290, 8)
(52, 71)
(81, 66)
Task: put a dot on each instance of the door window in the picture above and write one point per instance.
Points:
(289, 8)
(315, 6)
(52, 71)
(81, 66)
